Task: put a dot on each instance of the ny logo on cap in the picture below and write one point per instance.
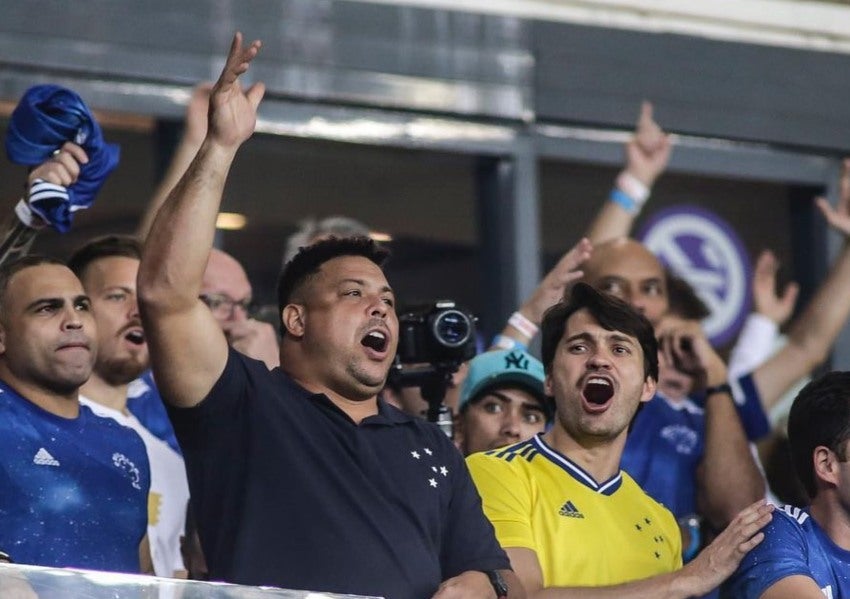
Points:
(516, 360)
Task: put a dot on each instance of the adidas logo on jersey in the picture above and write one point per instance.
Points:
(43, 458)
(570, 510)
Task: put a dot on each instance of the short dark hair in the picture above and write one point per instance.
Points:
(819, 416)
(310, 259)
(125, 246)
(612, 314)
(12, 267)
(684, 301)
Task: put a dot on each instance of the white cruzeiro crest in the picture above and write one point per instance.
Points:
(703, 249)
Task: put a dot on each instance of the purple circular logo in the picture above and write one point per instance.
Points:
(705, 250)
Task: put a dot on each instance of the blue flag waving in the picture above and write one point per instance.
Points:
(46, 117)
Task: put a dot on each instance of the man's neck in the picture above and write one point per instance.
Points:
(356, 409)
(601, 459)
(58, 404)
(110, 396)
(832, 517)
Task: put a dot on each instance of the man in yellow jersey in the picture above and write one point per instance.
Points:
(573, 524)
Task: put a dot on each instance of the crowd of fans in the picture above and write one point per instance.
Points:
(151, 425)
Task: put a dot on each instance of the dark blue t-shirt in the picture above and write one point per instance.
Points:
(73, 492)
(290, 492)
(793, 545)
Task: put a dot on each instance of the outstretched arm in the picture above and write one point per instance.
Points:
(193, 136)
(813, 333)
(706, 572)
(188, 348)
(647, 155)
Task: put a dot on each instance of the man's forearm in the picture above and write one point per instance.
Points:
(179, 242)
(729, 479)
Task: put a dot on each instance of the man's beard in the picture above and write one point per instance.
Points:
(121, 371)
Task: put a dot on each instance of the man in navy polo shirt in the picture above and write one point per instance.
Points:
(300, 477)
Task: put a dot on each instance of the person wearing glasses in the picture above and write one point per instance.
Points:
(225, 289)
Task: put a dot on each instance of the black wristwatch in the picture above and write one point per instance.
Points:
(499, 584)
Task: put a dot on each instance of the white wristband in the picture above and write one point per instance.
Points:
(632, 187)
(523, 325)
(26, 216)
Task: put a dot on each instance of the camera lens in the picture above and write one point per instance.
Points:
(452, 328)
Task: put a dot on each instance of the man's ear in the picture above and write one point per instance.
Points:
(2, 339)
(649, 387)
(547, 386)
(293, 317)
(825, 464)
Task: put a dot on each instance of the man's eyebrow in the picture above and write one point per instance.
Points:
(620, 338)
(123, 288)
(45, 300)
(362, 283)
(583, 336)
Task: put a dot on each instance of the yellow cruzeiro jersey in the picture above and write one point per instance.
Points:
(584, 533)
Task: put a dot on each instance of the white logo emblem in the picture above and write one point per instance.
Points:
(43, 458)
(681, 437)
(698, 246)
(123, 462)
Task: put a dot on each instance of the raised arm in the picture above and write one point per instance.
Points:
(757, 340)
(647, 155)
(815, 330)
(194, 132)
(523, 324)
(188, 348)
(728, 478)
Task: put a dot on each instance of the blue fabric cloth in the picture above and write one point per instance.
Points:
(46, 117)
(794, 545)
(664, 447)
(73, 492)
(145, 403)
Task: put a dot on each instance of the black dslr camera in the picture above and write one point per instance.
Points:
(438, 333)
(434, 340)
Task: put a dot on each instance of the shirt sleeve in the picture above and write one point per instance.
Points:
(469, 541)
(749, 406)
(506, 500)
(781, 554)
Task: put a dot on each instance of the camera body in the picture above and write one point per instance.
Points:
(438, 333)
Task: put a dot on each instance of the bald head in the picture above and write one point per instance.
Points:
(225, 276)
(627, 269)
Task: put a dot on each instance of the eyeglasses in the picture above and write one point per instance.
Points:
(223, 306)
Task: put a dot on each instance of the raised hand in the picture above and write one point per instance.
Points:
(683, 345)
(232, 111)
(777, 307)
(839, 217)
(719, 560)
(648, 152)
(554, 285)
(63, 168)
(197, 113)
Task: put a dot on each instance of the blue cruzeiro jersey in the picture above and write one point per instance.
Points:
(794, 544)
(73, 492)
(145, 403)
(667, 442)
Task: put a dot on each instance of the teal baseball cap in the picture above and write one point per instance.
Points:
(505, 368)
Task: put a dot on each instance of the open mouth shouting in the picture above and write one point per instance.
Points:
(597, 393)
(376, 341)
(136, 336)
